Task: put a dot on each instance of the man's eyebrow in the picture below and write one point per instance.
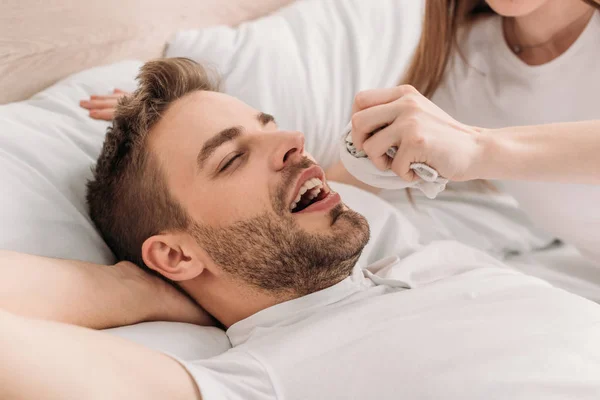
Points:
(265, 118)
(212, 144)
(227, 135)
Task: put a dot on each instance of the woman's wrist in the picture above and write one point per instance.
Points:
(490, 150)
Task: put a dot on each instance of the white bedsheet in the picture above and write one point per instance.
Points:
(492, 222)
(564, 267)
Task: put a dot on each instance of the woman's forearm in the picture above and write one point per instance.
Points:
(565, 152)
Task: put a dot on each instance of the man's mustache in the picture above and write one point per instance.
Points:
(289, 176)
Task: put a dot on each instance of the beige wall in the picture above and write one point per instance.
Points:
(42, 41)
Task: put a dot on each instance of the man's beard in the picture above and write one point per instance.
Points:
(273, 253)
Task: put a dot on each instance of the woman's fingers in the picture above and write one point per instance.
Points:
(377, 146)
(400, 102)
(116, 94)
(105, 97)
(103, 100)
(98, 104)
(366, 122)
(373, 97)
(401, 163)
(103, 106)
(106, 114)
(410, 147)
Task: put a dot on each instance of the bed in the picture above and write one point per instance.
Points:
(55, 53)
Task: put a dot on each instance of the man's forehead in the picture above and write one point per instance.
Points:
(190, 122)
(206, 113)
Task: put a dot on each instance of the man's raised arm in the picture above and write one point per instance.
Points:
(90, 295)
(49, 360)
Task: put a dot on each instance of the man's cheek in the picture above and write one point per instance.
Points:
(248, 203)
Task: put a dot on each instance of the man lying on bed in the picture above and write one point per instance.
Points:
(205, 191)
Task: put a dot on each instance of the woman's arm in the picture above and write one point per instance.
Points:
(423, 133)
(90, 295)
(49, 360)
(339, 173)
(565, 152)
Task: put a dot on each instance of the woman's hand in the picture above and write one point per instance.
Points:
(421, 131)
(103, 106)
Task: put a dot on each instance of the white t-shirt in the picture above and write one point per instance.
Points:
(438, 322)
(495, 89)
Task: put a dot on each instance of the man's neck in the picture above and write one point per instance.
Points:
(228, 300)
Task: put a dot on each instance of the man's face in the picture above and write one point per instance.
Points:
(261, 207)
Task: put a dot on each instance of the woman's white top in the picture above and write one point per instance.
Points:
(492, 88)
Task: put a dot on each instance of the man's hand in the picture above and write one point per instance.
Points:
(90, 295)
(103, 106)
(164, 301)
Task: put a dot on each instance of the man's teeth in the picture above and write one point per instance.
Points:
(313, 193)
(312, 186)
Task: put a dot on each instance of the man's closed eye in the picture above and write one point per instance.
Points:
(229, 161)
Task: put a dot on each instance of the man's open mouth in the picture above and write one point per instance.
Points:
(310, 188)
(312, 191)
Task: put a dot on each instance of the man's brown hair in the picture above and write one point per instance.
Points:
(128, 197)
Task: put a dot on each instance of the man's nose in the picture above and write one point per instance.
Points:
(289, 148)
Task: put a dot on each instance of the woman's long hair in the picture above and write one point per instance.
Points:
(443, 18)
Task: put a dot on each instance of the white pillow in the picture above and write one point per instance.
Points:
(47, 147)
(184, 341)
(305, 63)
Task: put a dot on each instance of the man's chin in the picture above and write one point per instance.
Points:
(342, 215)
(337, 211)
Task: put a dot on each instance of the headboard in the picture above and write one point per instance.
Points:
(42, 41)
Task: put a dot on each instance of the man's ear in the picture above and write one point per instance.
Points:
(172, 256)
